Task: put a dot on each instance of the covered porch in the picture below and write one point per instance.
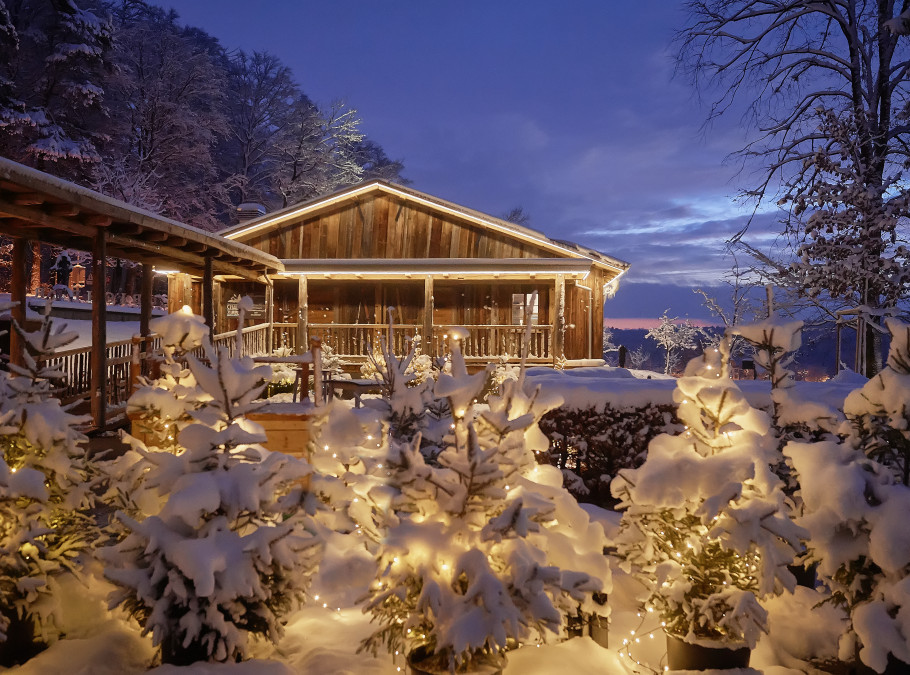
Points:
(345, 303)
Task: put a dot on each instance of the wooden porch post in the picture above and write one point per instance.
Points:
(302, 314)
(269, 312)
(208, 292)
(428, 347)
(99, 330)
(145, 300)
(597, 315)
(559, 319)
(17, 295)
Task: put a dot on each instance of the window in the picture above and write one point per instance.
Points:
(519, 302)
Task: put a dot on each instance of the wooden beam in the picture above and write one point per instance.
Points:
(428, 316)
(97, 221)
(63, 210)
(302, 314)
(145, 299)
(17, 295)
(178, 255)
(269, 312)
(208, 293)
(559, 321)
(39, 217)
(99, 331)
(27, 198)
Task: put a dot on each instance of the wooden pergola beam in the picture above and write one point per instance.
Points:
(99, 331)
(17, 295)
(45, 219)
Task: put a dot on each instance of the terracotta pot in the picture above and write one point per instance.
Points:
(20, 644)
(420, 663)
(684, 656)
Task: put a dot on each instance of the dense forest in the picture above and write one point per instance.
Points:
(120, 97)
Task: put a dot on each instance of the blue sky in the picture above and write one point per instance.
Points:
(568, 109)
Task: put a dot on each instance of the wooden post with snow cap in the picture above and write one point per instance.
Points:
(316, 351)
(135, 361)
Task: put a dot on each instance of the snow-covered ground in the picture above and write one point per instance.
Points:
(323, 640)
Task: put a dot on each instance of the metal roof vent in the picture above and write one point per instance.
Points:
(249, 211)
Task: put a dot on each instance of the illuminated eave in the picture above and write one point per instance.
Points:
(512, 231)
(442, 267)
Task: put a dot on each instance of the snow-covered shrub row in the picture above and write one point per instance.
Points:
(591, 445)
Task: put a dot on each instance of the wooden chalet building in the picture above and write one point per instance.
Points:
(348, 256)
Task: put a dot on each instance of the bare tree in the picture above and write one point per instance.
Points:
(673, 336)
(826, 83)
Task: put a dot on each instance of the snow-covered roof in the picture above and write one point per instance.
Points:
(562, 248)
(52, 210)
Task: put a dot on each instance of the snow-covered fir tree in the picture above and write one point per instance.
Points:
(226, 551)
(45, 482)
(879, 412)
(706, 526)
(855, 514)
(470, 559)
(855, 500)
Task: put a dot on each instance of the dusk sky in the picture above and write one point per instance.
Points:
(567, 109)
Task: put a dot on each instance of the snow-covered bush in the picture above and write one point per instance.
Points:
(161, 405)
(855, 506)
(477, 550)
(408, 389)
(706, 526)
(225, 551)
(592, 445)
(45, 482)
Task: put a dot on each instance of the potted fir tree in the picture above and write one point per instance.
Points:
(470, 561)
(705, 526)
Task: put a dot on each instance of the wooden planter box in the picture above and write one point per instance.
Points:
(287, 429)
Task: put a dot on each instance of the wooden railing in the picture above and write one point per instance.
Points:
(495, 341)
(75, 365)
(482, 341)
(284, 336)
(255, 340)
(357, 339)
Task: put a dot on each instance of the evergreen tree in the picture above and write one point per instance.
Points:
(230, 552)
(45, 486)
(471, 557)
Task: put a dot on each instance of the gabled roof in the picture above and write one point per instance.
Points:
(563, 248)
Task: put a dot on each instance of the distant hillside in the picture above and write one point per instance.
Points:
(814, 360)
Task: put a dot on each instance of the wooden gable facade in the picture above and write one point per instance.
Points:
(350, 256)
